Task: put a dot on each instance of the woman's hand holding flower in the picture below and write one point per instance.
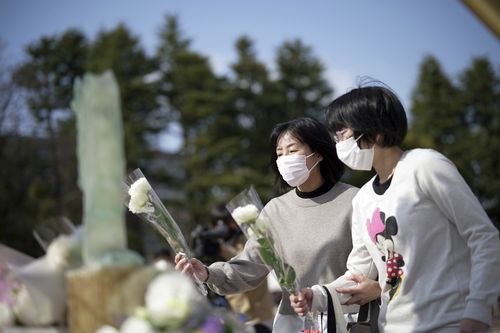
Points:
(301, 303)
(191, 266)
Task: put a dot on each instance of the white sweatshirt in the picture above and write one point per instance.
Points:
(443, 250)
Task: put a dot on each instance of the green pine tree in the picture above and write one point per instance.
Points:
(301, 77)
(462, 123)
(478, 151)
(258, 105)
(435, 113)
(195, 98)
(47, 78)
(120, 51)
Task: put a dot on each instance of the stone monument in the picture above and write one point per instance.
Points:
(95, 292)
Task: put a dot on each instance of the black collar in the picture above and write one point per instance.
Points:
(325, 187)
(381, 188)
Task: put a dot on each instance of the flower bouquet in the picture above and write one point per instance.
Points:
(172, 304)
(246, 210)
(143, 201)
(9, 287)
(35, 292)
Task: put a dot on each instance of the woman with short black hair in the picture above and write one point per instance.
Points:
(436, 251)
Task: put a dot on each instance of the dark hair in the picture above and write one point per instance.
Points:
(219, 212)
(163, 252)
(369, 111)
(311, 132)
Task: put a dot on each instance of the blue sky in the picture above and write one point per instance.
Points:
(383, 39)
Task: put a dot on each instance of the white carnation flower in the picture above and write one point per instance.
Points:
(6, 315)
(27, 311)
(139, 199)
(141, 185)
(58, 252)
(139, 203)
(245, 214)
(136, 325)
(170, 298)
(107, 329)
(251, 233)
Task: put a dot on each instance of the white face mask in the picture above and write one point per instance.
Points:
(293, 168)
(354, 157)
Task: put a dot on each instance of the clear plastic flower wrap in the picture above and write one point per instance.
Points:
(143, 201)
(246, 210)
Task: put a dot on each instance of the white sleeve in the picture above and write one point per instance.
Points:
(319, 300)
(359, 261)
(320, 295)
(440, 180)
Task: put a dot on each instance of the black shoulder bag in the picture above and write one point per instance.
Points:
(365, 324)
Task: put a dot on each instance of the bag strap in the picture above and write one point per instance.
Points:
(331, 321)
(363, 312)
(374, 312)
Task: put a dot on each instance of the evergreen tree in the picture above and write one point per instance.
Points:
(436, 116)
(259, 107)
(479, 147)
(462, 123)
(9, 119)
(226, 124)
(194, 97)
(26, 198)
(47, 78)
(121, 52)
(301, 77)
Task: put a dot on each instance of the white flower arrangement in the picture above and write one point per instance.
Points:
(166, 304)
(172, 304)
(40, 295)
(7, 317)
(58, 252)
(107, 329)
(9, 287)
(136, 325)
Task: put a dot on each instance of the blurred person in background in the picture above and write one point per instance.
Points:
(206, 241)
(163, 259)
(255, 307)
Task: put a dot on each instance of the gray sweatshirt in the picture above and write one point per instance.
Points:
(313, 235)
